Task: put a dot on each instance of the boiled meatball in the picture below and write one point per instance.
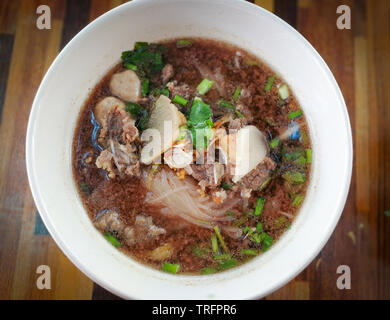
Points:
(126, 85)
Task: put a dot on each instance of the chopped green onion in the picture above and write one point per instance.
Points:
(297, 200)
(259, 227)
(200, 252)
(139, 45)
(219, 236)
(270, 83)
(208, 270)
(294, 114)
(223, 256)
(204, 86)
(308, 155)
(214, 243)
(387, 213)
(259, 206)
(180, 100)
(283, 92)
(267, 241)
(255, 237)
(294, 177)
(251, 62)
(226, 105)
(165, 92)
(145, 87)
(183, 43)
(85, 188)
(249, 252)
(239, 113)
(130, 66)
(264, 184)
(140, 113)
(301, 161)
(227, 264)
(236, 94)
(229, 213)
(246, 229)
(239, 222)
(171, 268)
(110, 238)
(226, 186)
(274, 142)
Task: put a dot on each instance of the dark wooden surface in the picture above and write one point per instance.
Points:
(360, 61)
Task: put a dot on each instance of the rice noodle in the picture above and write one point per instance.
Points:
(180, 198)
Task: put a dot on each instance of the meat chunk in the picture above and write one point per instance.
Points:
(208, 175)
(255, 178)
(166, 73)
(105, 161)
(143, 229)
(126, 85)
(182, 90)
(237, 124)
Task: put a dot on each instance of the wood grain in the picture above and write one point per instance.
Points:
(360, 61)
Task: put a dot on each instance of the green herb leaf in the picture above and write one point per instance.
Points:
(223, 256)
(297, 200)
(145, 87)
(183, 43)
(219, 236)
(204, 86)
(267, 241)
(308, 155)
(227, 264)
(180, 100)
(274, 143)
(295, 114)
(259, 206)
(214, 243)
(208, 270)
(270, 83)
(140, 113)
(236, 94)
(226, 186)
(294, 177)
(249, 252)
(171, 268)
(114, 241)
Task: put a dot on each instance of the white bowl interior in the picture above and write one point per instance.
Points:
(94, 51)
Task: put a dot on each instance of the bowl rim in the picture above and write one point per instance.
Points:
(30, 147)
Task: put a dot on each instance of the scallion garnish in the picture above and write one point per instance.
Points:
(130, 66)
(274, 142)
(259, 227)
(145, 87)
(228, 105)
(180, 100)
(297, 200)
(222, 256)
(251, 62)
(139, 45)
(110, 238)
(301, 161)
(308, 155)
(227, 264)
(236, 94)
(214, 243)
(226, 186)
(294, 114)
(264, 184)
(204, 86)
(183, 43)
(219, 236)
(249, 252)
(208, 270)
(259, 206)
(165, 92)
(267, 241)
(171, 268)
(270, 83)
(294, 177)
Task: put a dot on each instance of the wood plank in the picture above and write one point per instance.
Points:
(6, 45)
(266, 4)
(8, 15)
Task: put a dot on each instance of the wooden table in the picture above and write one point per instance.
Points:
(360, 61)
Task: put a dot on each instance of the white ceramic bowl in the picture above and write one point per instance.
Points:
(94, 51)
